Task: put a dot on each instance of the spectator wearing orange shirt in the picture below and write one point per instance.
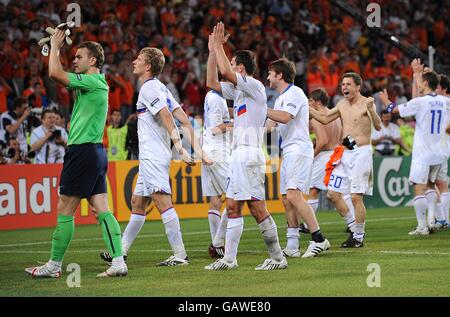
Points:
(115, 87)
(192, 90)
(5, 90)
(126, 95)
(38, 98)
(332, 79)
(314, 78)
(352, 65)
(6, 65)
(18, 62)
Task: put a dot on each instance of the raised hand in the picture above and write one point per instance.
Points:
(211, 43)
(57, 40)
(219, 34)
(417, 66)
(369, 103)
(384, 97)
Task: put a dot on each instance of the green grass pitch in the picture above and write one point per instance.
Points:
(409, 266)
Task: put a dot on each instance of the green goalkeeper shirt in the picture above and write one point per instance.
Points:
(90, 109)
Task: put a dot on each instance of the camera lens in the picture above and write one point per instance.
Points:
(9, 152)
(56, 134)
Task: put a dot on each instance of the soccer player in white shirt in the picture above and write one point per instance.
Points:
(291, 114)
(443, 206)
(430, 147)
(247, 164)
(217, 145)
(156, 109)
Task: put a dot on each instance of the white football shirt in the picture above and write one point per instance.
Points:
(154, 140)
(295, 134)
(430, 141)
(215, 113)
(250, 110)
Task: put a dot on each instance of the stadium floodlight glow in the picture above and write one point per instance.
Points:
(393, 38)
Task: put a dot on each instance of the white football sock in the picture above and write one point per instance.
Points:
(440, 212)
(445, 201)
(54, 266)
(350, 221)
(292, 238)
(431, 205)
(118, 262)
(358, 234)
(214, 221)
(219, 239)
(131, 231)
(420, 207)
(233, 236)
(173, 232)
(270, 235)
(350, 216)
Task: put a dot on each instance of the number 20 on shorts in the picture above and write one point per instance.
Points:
(336, 181)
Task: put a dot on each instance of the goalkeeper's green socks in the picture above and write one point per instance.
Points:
(61, 237)
(111, 233)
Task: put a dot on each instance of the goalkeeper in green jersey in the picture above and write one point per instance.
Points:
(85, 162)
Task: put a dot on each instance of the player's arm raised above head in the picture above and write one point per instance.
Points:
(219, 39)
(390, 106)
(212, 78)
(325, 118)
(417, 69)
(55, 69)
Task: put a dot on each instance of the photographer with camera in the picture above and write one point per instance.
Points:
(388, 137)
(2, 158)
(13, 153)
(15, 122)
(48, 140)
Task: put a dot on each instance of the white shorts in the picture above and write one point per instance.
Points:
(318, 171)
(247, 174)
(442, 175)
(354, 173)
(422, 173)
(295, 173)
(153, 177)
(214, 179)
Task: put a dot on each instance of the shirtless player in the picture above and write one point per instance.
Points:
(327, 138)
(353, 173)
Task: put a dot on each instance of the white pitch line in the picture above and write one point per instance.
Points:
(160, 235)
(240, 251)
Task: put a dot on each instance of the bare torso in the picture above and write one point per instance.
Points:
(355, 120)
(332, 130)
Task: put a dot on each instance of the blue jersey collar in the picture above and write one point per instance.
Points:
(290, 85)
